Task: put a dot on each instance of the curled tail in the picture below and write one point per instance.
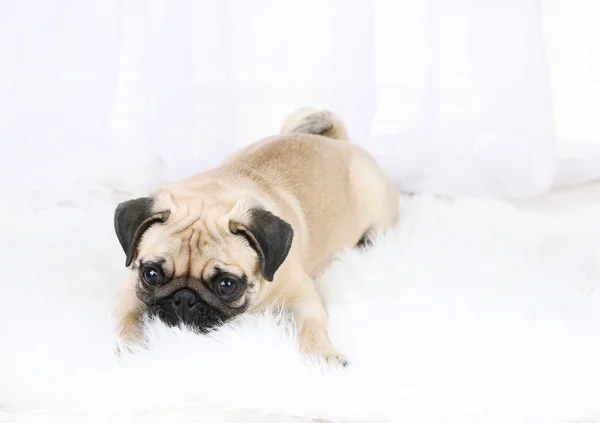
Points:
(312, 121)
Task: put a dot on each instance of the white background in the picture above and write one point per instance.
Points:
(480, 97)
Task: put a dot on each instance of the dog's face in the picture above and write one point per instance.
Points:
(200, 256)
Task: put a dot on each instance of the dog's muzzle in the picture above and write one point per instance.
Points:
(185, 306)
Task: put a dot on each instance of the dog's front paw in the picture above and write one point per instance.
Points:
(314, 341)
(335, 359)
(327, 354)
(324, 351)
(130, 336)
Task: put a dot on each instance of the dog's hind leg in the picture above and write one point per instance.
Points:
(377, 198)
(364, 241)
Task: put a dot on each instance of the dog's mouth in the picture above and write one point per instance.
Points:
(187, 307)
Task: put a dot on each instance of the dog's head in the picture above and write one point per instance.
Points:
(200, 255)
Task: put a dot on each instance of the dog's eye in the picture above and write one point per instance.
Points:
(152, 276)
(226, 287)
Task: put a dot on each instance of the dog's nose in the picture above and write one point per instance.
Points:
(184, 300)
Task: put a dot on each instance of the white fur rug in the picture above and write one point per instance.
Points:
(469, 311)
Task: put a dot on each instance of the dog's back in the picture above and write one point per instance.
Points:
(338, 190)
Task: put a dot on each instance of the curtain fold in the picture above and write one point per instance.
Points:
(483, 122)
(495, 98)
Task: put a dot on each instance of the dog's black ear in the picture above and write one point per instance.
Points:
(270, 236)
(132, 219)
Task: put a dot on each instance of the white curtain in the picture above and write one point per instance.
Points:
(474, 97)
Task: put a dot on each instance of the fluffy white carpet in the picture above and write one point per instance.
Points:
(469, 311)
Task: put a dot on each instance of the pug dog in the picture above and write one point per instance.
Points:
(252, 233)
